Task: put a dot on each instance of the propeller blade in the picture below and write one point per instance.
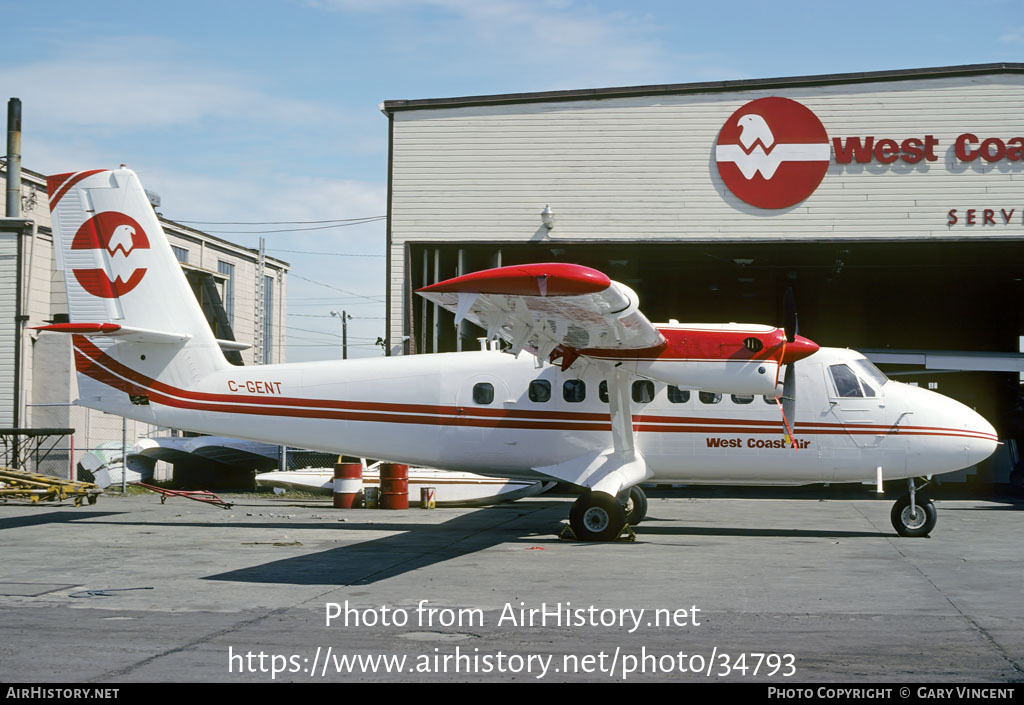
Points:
(789, 402)
(791, 324)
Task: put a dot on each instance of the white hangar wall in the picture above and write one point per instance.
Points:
(638, 165)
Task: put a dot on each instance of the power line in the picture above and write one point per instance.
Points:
(344, 291)
(331, 254)
(279, 222)
(294, 230)
(327, 315)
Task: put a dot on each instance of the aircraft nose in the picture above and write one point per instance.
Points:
(979, 438)
(983, 436)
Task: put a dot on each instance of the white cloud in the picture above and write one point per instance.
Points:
(552, 44)
(1012, 35)
(119, 83)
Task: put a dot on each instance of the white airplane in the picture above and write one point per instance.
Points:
(627, 402)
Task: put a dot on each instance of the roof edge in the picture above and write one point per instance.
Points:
(392, 106)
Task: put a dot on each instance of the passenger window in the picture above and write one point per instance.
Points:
(540, 390)
(845, 381)
(574, 390)
(768, 399)
(677, 395)
(643, 391)
(483, 393)
(709, 397)
(602, 391)
(742, 398)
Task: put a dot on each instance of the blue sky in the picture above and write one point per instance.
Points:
(268, 110)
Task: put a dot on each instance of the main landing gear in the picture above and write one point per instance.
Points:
(913, 514)
(597, 516)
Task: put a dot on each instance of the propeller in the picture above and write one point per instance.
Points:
(797, 348)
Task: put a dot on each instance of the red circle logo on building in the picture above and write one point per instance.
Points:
(117, 235)
(772, 152)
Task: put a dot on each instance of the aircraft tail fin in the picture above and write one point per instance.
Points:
(131, 310)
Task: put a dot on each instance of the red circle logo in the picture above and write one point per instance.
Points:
(117, 236)
(772, 152)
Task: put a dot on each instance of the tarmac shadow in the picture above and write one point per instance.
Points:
(778, 533)
(51, 518)
(416, 547)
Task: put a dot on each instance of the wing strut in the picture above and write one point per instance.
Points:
(613, 469)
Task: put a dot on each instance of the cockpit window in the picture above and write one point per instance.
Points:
(867, 371)
(848, 384)
(845, 381)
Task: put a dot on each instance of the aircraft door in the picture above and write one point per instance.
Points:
(858, 402)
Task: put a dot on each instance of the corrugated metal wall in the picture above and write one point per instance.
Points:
(8, 311)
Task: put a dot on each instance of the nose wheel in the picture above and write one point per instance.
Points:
(913, 514)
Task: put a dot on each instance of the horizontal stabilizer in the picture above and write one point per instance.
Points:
(227, 345)
(115, 330)
(604, 471)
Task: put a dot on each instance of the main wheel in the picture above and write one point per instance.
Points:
(597, 516)
(636, 506)
(916, 523)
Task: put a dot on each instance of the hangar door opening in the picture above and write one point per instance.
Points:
(936, 296)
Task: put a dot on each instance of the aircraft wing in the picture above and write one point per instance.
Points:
(542, 307)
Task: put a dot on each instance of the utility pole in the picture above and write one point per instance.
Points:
(344, 332)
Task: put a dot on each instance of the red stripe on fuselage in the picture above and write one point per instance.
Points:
(93, 362)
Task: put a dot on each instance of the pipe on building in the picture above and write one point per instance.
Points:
(13, 158)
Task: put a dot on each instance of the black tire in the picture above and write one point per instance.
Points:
(636, 506)
(922, 524)
(597, 516)
(1017, 479)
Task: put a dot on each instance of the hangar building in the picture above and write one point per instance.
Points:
(891, 202)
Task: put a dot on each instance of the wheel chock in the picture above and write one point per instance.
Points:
(567, 534)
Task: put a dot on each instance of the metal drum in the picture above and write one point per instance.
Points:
(348, 482)
(394, 486)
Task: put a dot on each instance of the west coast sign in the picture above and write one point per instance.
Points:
(774, 153)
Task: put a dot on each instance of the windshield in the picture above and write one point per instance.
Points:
(867, 370)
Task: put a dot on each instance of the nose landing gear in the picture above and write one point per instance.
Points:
(913, 515)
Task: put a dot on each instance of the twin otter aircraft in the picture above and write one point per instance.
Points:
(604, 399)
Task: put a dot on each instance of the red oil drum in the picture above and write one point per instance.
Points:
(394, 486)
(348, 483)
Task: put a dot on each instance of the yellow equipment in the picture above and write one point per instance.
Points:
(35, 488)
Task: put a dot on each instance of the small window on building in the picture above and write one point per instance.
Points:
(228, 290)
(574, 390)
(643, 391)
(180, 253)
(709, 397)
(677, 395)
(540, 390)
(483, 393)
(602, 391)
(742, 398)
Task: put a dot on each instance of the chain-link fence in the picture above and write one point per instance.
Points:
(99, 439)
(101, 435)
